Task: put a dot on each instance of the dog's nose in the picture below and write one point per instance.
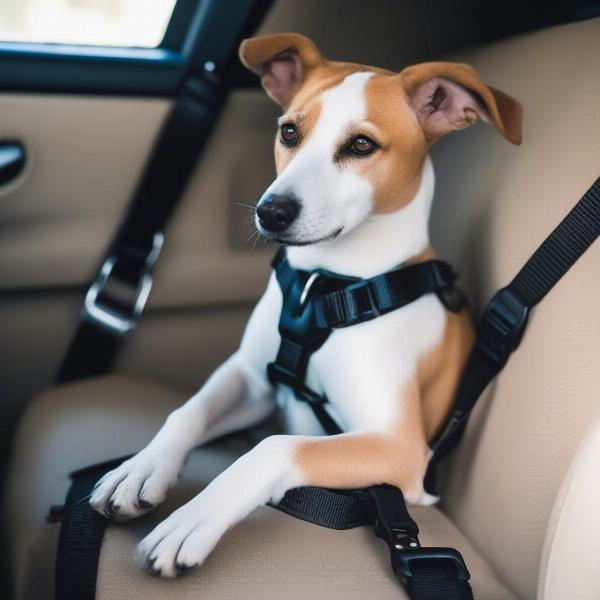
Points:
(276, 213)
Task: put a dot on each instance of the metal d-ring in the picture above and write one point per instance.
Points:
(307, 287)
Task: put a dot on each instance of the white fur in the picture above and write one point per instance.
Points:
(381, 243)
(187, 536)
(361, 369)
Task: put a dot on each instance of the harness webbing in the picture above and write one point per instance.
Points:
(315, 303)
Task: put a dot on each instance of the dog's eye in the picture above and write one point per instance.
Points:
(362, 145)
(289, 135)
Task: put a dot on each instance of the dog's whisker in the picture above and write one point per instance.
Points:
(253, 234)
(248, 206)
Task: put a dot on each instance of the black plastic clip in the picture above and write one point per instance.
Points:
(502, 326)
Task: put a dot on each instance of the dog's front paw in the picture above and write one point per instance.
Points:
(180, 543)
(136, 486)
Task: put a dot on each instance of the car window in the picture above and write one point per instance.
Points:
(124, 23)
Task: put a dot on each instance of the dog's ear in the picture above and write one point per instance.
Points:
(282, 61)
(448, 96)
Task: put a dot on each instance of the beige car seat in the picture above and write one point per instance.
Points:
(521, 493)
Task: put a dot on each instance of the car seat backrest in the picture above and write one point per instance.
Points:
(494, 205)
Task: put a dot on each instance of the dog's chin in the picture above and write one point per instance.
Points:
(299, 241)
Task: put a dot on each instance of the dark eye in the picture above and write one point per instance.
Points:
(289, 135)
(362, 145)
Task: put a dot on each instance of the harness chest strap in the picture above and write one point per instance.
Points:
(315, 303)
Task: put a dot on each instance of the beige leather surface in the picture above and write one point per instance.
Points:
(494, 204)
(79, 424)
(569, 568)
(270, 555)
(263, 557)
(85, 157)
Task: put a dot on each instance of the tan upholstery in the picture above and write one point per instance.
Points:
(572, 541)
(83, 423)
(501, 202)
(73, 426)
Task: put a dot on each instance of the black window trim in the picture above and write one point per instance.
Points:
(79, 69)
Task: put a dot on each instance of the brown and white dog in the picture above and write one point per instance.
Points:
(352, 195)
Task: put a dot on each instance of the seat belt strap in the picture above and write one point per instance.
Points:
(81, 534)
(115, 300)
(505, 317)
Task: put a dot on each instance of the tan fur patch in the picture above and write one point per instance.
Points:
(397, 457)
(439, 371)
(306, 104)
(395, 169)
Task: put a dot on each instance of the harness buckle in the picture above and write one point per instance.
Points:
(502, 326)
(117, 312)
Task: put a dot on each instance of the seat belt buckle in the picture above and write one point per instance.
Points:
(502, 326)
(119, 315)
(395, 526)
(404, 560)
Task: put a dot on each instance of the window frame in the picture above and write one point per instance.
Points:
(83, 69)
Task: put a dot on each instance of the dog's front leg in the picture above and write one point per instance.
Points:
(232, 398)
(235, 396)
(276, 465)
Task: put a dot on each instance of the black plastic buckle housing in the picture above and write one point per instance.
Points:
(395, 526)
(502, 326)
(403, 560)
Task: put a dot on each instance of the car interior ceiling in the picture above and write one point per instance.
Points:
(209, 276)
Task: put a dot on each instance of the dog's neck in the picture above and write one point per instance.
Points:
(379, 244)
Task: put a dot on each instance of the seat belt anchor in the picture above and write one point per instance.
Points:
(502, 326)
(119, 317)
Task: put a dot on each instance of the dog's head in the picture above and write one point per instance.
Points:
(352, 139)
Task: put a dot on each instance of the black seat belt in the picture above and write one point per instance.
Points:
(116, 298)
(505, 317)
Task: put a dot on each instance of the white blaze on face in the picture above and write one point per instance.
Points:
(332, 196)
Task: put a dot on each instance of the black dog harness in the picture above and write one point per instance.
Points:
(315, 303)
